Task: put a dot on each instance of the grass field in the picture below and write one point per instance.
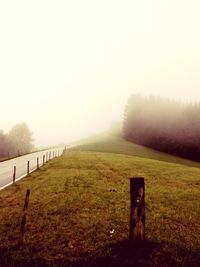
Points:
(115, 144)
(77, 201)
(3, 159)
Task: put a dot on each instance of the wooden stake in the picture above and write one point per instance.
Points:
(38, 166)
(23, 223)
(28, 168)
(14, 174)
(137, 214)
(43, 159)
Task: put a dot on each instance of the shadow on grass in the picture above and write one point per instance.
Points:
(124, 254)
(120, 254)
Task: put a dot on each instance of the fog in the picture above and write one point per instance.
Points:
(67, 68)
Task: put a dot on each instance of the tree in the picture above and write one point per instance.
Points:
(165, 125)
(3, 145)
(20, 139)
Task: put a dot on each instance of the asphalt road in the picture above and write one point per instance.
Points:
(7, 167)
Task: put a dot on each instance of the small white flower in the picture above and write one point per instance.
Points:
(112, 231)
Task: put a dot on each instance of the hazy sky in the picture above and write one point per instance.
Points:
(68, 67)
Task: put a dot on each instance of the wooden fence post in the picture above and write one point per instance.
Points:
(38, 163)
(43, 159)
(137, 214)
(46, 156)
(23, 223)
(14, 174)
(28, 168)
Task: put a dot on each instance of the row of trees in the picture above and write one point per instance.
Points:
(17, 142)
(165, 125)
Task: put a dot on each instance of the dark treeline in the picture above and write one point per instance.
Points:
(165, 125)
(17, 142)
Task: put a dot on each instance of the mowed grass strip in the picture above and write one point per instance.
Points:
(78, 213)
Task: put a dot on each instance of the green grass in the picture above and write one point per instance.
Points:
(117, 145)
(3, 159)
(76, 200)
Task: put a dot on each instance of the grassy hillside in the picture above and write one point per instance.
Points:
(2, 159)
(116, 144)
(77, 200)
